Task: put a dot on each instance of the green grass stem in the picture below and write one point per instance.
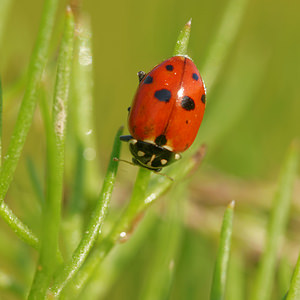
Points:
(5, 6)
(36, 67)
(277, 224)
(82, 110)
(159, 280)
(223, 41)
(55, 164)
(294, 290)
(183, 40)
(69, 270)
(220, 272)
(1, 109)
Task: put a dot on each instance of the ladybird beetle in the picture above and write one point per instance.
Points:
(166, 113)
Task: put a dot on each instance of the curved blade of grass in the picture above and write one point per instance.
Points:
(277, 225)
(1, 108)
(36, 67)
(165, 256)
(223, 40)
(285, 272)
(220, 273)
(119, 232)
(121, 258)
(5, 6)
(55, 165)
(69, 270)
(294, 290)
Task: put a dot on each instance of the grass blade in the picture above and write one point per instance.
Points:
(82, 110)
(294, 290)
(68, 271)
(165, 255)
(55, 165)
(220, 272)
(277, 225)
(5, 6)
(183, 40)
(223, 40)
(36, 67)
(1, 108)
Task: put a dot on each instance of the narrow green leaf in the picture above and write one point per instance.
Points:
(118, 261)
(159, 280)
(220, 273)
(69, 270)
(82, 108)
(183, 40)
(1, 108)
(55, 165)
(36, 67)
(294, 290)
(277, 225)
(5, 6)
(119, 232)
(223, 40)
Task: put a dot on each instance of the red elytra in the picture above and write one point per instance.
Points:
(166, 113)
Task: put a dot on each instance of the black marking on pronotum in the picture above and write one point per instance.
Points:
(187, 103)
(203, 98)
(148, 79)
(163, 95)
(195, 76)
(169, 67)
(161, 140)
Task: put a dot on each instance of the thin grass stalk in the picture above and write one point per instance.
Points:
(55, 164)
(277, 225)
(223, 40)
(69, 270)
(164, 258)
(24, 120)
(220, 272)
(5, 6)
(294, 290)
(1, 108)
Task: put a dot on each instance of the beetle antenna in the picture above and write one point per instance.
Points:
(165, 175)
(123, 160)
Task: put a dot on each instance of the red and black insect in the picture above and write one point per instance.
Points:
(166, 113)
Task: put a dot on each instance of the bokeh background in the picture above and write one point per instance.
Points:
(252, 116)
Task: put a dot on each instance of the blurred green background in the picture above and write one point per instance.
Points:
(259, 80)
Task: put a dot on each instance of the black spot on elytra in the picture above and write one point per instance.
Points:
(187, 103)
(169, 67)
(163, 95)
(195, 76)
(129, 109)
(148, 79)
(203, 98)
(161, 140)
